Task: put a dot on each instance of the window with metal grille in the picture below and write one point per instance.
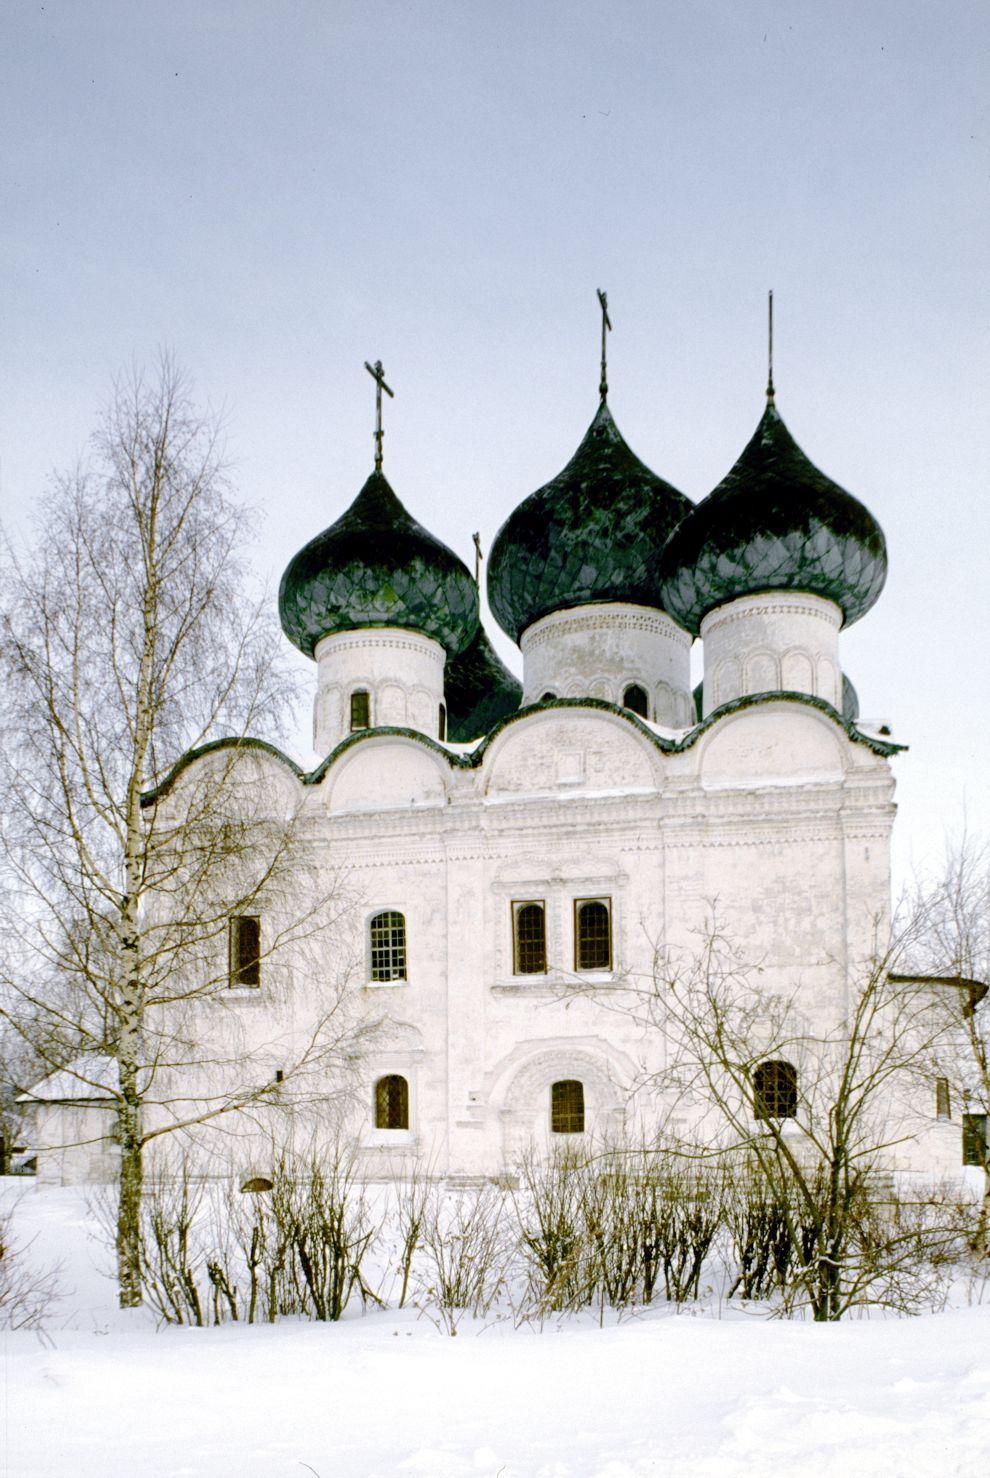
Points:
(635, 699)
(392, 1102)
(592, 934)
(943, 1104)
(529, 939)
(775, 1091)
(442, 722)
(360, 709)
(244, 950)
(974, 1139)
(388, 946)
(567, 1107)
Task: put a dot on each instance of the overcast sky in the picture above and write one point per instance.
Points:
(280, 191)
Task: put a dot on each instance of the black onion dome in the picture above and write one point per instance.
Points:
(478, 689)
(595, 533)
(774, 523)
(376, 566)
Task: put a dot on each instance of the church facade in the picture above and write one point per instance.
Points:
(523, 854)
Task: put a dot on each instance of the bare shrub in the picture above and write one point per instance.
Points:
(28, 1294)
(685, 1207)
(412, 1201)
(760, 1231)
(173, 1254)
(551, 1232)
(466, 1251)
(332, 1230)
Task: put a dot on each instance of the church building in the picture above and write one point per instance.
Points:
(523, 851)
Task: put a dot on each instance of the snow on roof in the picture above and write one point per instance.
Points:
(85, 1079)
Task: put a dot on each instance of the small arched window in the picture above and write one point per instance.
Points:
(388, 946)
(360, 709)
(567, 1107)
(529, 939)
(592, 934)
(775, 1091)
(392, 1102)
(547, 697)
(442, 722)
(635, 699)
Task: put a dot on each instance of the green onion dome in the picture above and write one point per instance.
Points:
(773, 523)
(376, 566)
(478, 689)
(595, 533)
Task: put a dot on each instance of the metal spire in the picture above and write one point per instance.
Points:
(378, 375)
(770, 348)
(606, 328)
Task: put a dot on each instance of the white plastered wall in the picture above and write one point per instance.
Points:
(401, 671)
(782, 641)
(598, 651)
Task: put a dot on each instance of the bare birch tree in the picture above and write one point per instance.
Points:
(129, 640)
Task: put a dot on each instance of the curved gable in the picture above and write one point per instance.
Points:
(569, 749)
(773, 745)
(386, 773)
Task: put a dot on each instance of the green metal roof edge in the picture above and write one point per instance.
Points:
(472, 761)
(148, 797)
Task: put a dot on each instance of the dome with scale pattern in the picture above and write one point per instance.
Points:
(595, 533)
(775, 522)
(376, 566)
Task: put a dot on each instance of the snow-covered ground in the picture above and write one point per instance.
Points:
(104, 1394)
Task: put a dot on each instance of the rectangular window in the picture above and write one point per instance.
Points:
(529, 939)
(360, 710)
(388, 946)
(244, 950)
(974, 1139)
(592, 934)
(943, 1108)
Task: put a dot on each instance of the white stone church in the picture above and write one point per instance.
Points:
(519, 849)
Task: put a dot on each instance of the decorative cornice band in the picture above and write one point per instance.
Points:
(748, 606)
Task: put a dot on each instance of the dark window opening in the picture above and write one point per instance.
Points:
(567, 1107)
(529, 939)
(592, 934)
(392, 1103)
(635, 699)
(775, 1091)
(442, 722)
(388, 947)
(547, 697)
(943, 1103)
(244, 950)
(974, 1139)
(360, 710)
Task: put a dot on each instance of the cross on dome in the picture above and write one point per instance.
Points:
(377, 373)
(606, 328)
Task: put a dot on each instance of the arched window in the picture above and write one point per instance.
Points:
(547, 696)
(442, 722)
(392, 1102)
(592, 934)
(567, 1107)
(635, 699)
(388, 947)
(775, 1091)
(529, 939)
(360, 709)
